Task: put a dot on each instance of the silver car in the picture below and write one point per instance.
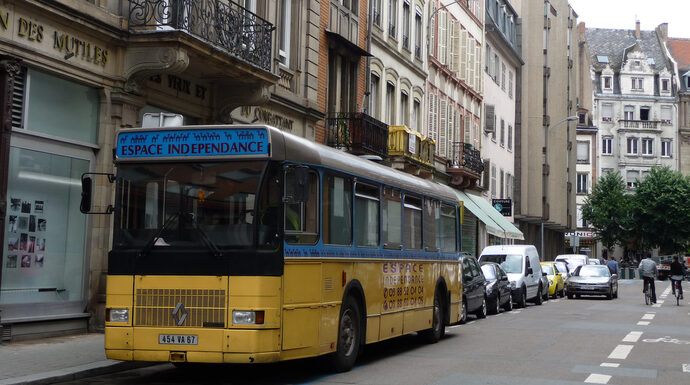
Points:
(593, 280)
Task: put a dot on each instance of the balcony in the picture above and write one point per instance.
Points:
(410, 150)
(358, 133)
(650, 124)
(464, 165)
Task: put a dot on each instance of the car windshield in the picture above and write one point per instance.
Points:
(511, 263)
(560, 266)
(592, 271)
(488, 272)
(548, 269)
(187, 204)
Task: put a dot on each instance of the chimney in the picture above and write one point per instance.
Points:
(637, 30)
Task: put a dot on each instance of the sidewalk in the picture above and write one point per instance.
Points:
(57, 359)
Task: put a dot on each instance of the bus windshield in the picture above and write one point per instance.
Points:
(182, 205)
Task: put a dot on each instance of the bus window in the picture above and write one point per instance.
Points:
(431, 241)
(301, 223)
(367, 215)
(413, 223)
(337, 210)
(448, 230)
(391, 226)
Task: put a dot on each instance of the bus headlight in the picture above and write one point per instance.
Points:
(117, 315)
(244, 317)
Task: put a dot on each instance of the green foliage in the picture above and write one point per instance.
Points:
(661, 211)
(607, 208)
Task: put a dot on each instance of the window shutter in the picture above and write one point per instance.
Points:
(471, 64)
(443, 129)
(18, 93)
(451, 130)
(458, 121)
(478, 67)
(489, 121)
(455, 48)
(463, 55)
(468, 129)
(442, 36)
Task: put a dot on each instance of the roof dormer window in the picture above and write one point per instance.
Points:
(607, 82)
(665, 85)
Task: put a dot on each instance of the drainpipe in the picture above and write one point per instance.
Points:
(367, 75)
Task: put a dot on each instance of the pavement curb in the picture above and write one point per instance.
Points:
(77, 372)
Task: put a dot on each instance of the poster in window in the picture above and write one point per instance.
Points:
(26, 207)
(13, 244)
(11, 262)
(15, 204)
(32, 223)
(41, 225)
(31, 245)
(26, 260)
(23, 242)
(38, 262)
(40, 244)
(23, 223)
(13, 224)
(38, 207)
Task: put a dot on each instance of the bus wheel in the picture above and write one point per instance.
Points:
(349, 336)
(437, 327)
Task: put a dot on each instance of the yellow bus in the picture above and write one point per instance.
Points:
(246, 244)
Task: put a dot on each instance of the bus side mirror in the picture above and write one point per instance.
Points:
(87, 193)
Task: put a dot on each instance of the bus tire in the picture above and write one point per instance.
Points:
(349, 336)
(438, 327)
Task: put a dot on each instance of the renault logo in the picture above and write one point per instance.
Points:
(179, 314)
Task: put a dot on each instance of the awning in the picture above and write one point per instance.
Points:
(496, 224)
(491, 226)
(510, 231)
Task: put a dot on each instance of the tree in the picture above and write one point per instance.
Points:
(661, 212)
(607, 208)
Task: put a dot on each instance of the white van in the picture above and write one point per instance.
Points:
(521, 263)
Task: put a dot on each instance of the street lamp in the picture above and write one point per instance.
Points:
(545, 185)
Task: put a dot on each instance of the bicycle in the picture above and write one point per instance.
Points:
(676, 281)
(647, 297)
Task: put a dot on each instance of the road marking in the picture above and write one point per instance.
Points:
(598, 379)
(648, 316)
(632, 337)
(658, 304)
(609, 365)
(686, 368)
(644, 323)
(620, 352)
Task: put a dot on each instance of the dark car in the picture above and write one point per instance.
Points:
(473, 289)
(498, 288)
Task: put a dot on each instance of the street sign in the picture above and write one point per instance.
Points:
(503, 206)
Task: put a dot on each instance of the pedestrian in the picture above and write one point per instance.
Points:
(647, 270)
(612, 264)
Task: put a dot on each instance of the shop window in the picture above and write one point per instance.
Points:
(48, 111)
(43, 261)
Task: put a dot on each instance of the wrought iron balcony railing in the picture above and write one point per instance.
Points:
(465, 156)
(357, 132)
(224, 24)
(412, 145)
(625, 123)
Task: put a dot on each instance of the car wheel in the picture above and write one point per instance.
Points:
(538, 301)
(570, 296)
(609, 295)
(615, 293)
(463, 314)
(545, 295)
(496, 305)
(509, 304)
(562, 293)
(523, 298)
(481, 313)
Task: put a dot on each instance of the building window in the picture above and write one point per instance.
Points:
(503, 76)
(404, 115)
(503, 133)
(406, 24)
(285, 27)
(632, 146)
(637, 84)
(607, 112)
(342, 83)
(374, 96)
(510, 84)
(666, 148)
(664, 85)
(390, 101)
(416, 111)
(418, 33)
(392, 17)
(647, 146)
(376, 7)
(487, 59)
(510, 137)
(628, 112)
(582, 118)
(582, 178)
(606, 148)
(583, 152)
(497, 68)
(666, 116)
(493, 181)
(607, 82)
(502, 184)
(644, 113)
(631, 178)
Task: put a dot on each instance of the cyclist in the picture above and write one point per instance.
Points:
(677, 273)
(648, 272)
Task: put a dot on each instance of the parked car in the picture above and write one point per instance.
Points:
(565, 273)
(498, 288)
(573, 260)
(521, 263)
(593, 261)
(473, 289)
(556, 283)
(593, 280)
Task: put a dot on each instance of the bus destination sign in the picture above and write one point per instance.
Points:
(192, 143)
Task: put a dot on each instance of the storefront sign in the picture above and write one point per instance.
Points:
(581, 234)
(181, 85)
(266, 116)
(196, 143)
(503, 206)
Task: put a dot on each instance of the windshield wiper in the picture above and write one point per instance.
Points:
(149, 245)
(204, 238)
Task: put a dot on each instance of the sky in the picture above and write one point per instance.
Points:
(621, 14)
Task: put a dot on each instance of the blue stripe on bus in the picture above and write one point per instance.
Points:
(293, 251)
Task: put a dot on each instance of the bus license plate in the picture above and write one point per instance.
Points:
(178, 339)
